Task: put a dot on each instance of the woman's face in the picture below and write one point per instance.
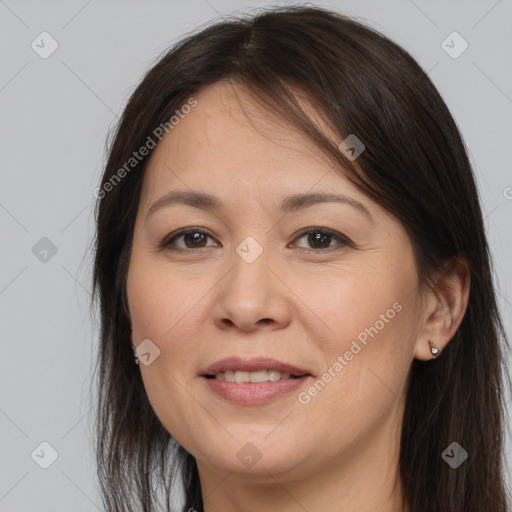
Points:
(337, 307)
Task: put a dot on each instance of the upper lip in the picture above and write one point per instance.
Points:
(253, 365)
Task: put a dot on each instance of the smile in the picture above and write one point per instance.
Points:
(241, 376)
(253, 381)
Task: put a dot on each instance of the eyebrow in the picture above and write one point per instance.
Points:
(291, 203)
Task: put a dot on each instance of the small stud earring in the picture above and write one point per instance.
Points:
(134, 350)
(434, 349)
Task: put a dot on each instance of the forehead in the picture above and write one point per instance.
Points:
(229, 138)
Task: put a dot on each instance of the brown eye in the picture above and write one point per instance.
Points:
(193, 238)
(320, 238)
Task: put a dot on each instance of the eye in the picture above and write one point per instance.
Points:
(193, 238)
(321, 238)
(196, 238)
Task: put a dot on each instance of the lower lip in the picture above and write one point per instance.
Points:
(253, 393)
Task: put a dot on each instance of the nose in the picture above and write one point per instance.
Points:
(253, 296)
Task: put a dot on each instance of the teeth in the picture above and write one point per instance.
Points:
(229, 376)
(242, 377)
(273, 375)
(259, 376)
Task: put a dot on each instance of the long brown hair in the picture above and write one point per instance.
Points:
(415, 165)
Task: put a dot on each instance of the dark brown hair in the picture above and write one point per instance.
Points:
(415, 165)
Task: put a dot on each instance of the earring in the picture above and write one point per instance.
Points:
(434, 349)
(134, 350)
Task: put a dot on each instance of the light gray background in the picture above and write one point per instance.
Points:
(55, 114)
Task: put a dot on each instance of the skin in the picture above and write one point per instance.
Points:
(339, 451)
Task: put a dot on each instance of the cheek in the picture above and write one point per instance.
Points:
(162, 310)
(360, 301)
(167, 307)
(370, 321)
(157, 300)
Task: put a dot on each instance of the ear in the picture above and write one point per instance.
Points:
(444, 308)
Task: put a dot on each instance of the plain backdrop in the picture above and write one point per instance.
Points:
(55, 115)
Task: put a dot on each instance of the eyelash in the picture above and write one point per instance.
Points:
(168, 240)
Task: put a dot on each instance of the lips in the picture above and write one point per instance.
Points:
(254, 381)
(237, 364)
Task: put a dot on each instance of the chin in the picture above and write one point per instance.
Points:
(253, 458)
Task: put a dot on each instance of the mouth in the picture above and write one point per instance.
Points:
(254, 381)
(240, 376)
(262, 369)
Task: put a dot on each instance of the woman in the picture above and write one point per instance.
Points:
(289, 238)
